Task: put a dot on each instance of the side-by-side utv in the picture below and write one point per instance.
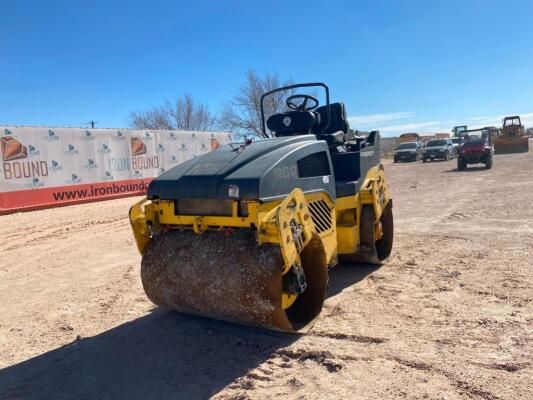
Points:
(477, 148)
(248, 232)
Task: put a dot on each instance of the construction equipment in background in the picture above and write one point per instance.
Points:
(458, 129)
(491, 131)
(248, 232)
(512, 137)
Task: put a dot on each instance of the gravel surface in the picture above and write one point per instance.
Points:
(449, 316)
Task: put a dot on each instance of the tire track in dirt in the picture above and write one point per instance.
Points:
(450, 314)
(59, 232)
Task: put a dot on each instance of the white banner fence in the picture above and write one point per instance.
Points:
(44, 167)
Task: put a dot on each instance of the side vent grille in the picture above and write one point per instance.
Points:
(321, 215)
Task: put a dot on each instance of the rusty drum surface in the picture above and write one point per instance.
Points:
(224, 277)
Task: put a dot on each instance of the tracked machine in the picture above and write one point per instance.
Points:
(512, 137)
(248, 232)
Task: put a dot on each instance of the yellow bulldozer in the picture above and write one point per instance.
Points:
(512, 137)
(248, 232)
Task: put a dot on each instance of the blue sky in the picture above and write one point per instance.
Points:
(398, 65)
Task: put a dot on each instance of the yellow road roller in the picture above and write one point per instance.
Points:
(248, 232)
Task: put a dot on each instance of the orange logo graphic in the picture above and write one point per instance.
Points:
(13, 149)
(137, 147)
(214, 144)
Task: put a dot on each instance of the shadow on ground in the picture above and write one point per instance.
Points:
(345, 275)
(468, 169)
(160, 356)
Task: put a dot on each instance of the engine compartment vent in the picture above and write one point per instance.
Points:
(321, 215)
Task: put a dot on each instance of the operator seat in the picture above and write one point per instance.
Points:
(292, 123)
(338, 125)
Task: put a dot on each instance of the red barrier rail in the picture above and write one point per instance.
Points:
(37, 199)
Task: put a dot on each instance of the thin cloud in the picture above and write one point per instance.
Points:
(385, 123)
(413, 127)
(486, 120)
(496, 120)
(379, 118)
(527, 119)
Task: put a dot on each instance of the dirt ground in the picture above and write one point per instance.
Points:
(449, 316)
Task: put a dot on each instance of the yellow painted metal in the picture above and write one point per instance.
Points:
(278, 227)
(373, 192)
(167, 216)
(288, 300)
(343, 238)
(139, 225)
(347, 224)
(511, 144)
(273, 221)
(347, 239)
(328, 237)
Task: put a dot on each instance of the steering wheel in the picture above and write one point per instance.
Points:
(303, 105)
